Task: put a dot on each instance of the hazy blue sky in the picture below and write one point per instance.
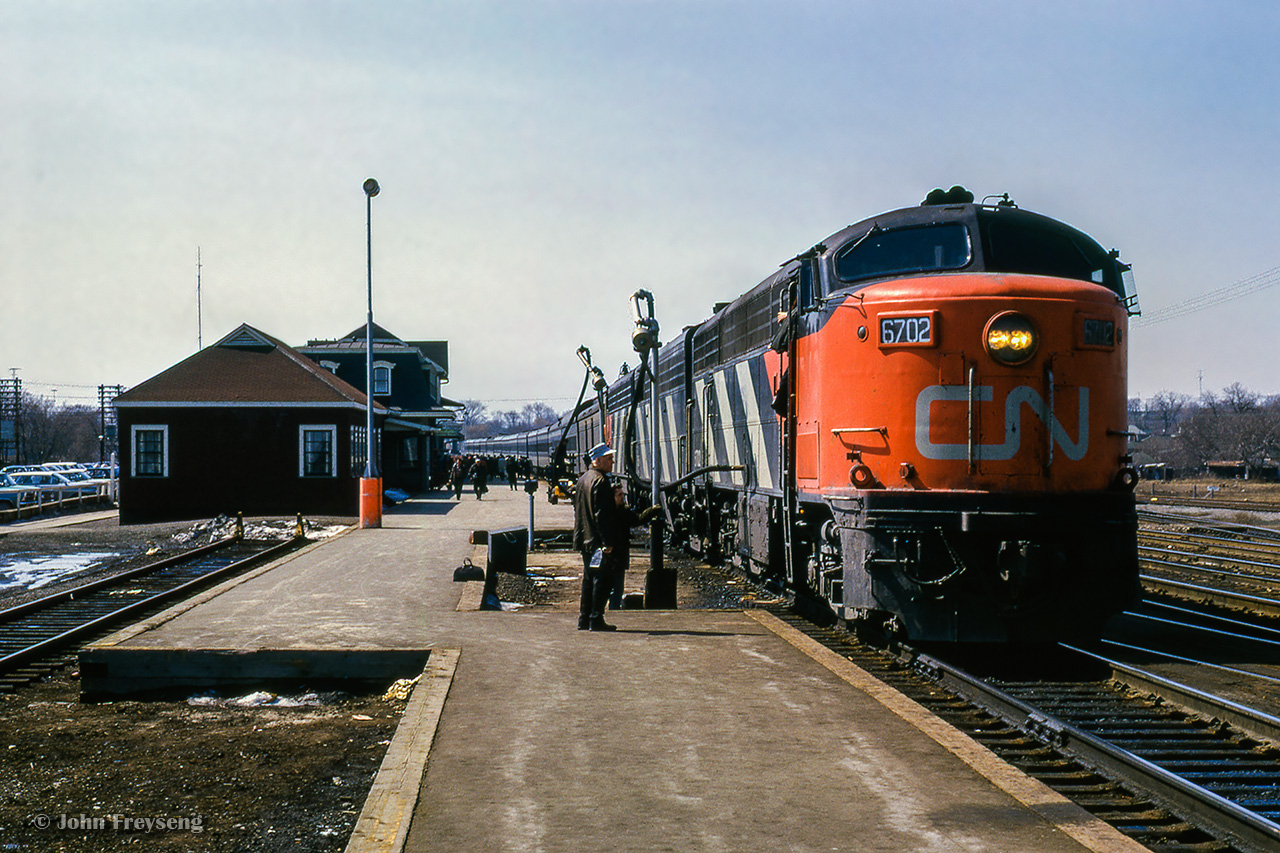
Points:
(542, 160)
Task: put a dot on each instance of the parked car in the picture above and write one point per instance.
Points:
(14, 469)
(55, 481)
(13, 496)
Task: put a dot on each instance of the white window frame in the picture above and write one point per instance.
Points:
(332, 430)
(381, 364)
(331, 366)
(133, 449)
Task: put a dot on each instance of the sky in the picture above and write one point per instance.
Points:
(541, 161)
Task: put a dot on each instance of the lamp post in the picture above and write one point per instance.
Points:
(370, 483)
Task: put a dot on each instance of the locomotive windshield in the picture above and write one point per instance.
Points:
(906, 250)
(1032, 247)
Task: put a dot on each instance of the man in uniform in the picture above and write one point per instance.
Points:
(595, 531)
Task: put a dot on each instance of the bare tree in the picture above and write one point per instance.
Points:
(49, 433)
(1238, 398)
(1165, 408)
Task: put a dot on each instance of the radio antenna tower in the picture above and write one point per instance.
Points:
(199, 326)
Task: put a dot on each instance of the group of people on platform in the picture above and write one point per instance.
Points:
(479, 469)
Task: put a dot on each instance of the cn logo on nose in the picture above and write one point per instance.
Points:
(1013, 404)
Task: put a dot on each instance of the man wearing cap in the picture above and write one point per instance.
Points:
(595, 529)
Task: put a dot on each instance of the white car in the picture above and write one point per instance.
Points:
(55, 481)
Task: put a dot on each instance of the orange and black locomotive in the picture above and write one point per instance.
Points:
(921, 421)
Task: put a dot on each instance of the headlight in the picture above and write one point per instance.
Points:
(1010, 338)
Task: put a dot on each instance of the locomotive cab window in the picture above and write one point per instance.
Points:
(1024, 247)
(930, 248)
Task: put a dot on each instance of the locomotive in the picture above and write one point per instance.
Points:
(919, 423)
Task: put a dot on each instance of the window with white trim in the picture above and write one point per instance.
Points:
(317, 445)
(382, 378)
(150, 450)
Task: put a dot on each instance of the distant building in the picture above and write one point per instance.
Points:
(245, 425)
(407, 376)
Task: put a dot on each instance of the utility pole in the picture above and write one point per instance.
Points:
(371, 482)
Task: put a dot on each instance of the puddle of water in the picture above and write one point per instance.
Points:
(32, 571)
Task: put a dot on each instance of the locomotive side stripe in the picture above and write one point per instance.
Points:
(761, 472)
(724, 429)
(671, 462)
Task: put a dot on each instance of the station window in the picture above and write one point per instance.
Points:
(150, 456)
(316, 446)
(381, 378)
(409, 452)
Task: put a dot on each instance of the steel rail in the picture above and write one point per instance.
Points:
(1234, 670)
(1243, 504)
(1191, 627)
(1260, 632)
(1208, 523)
(1194, 803)
(1214, 571)
(26, 608)
(1253, 721)
(1213, 545)
(1234, 600)
(24, 656)
(1252, 564)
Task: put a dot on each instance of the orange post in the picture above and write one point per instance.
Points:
(370, 502)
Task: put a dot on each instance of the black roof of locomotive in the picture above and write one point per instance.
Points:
(936, 214)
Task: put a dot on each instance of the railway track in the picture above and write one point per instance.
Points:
(1110, 737)
(1242, 504)
(35, 636)
(1229, 567)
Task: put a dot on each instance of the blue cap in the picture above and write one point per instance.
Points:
(598, 451)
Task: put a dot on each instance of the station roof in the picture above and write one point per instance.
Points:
(247, 367)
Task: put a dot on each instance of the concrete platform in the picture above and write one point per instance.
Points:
(684, 730)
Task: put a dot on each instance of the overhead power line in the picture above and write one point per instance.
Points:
(1247, 286)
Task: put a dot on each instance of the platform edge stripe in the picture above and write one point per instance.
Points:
(383, 824)
(1093, 833)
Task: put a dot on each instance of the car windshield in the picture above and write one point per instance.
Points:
(905, 250)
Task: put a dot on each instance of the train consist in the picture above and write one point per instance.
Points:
(920, 422)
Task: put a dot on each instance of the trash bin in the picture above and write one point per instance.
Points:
(508, 550)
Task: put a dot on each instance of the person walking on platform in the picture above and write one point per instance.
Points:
(480, 477)
(456, 476)
(512, 473)
(595, 535)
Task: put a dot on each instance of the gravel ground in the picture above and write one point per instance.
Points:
(234, 773)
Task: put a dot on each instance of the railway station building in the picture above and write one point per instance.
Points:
(247, 425)
(407, 379)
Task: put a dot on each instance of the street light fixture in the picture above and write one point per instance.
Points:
(370, 483)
